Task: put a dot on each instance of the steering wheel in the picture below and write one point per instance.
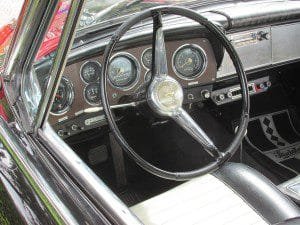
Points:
(165, 94)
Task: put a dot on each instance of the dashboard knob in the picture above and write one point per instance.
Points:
(263, 35)
(60, 133)
(261, 86)
(205, 94)
(268, 84)
(74, 127)
(190, 96)
(220, 97)
(229, 94)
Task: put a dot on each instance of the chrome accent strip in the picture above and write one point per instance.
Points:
(103, 197)
(27, 37)
(97, 109)
(59, 63)
(33, 174)
(204, 66)
(138, 70)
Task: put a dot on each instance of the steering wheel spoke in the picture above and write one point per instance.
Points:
(159, 56)
(184, 120)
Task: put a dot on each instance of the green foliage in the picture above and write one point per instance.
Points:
(8, 213)
(3, 219)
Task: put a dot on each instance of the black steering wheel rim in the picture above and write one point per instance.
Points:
(217, 32)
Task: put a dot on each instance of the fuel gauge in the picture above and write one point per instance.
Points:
(92, 94)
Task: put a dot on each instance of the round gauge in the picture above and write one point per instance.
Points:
(63, 98)
(189, 61)
(123, 71)
(147, 58)
(148, 76)
(92, 94)
(90, 71)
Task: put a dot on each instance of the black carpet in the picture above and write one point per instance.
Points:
(274, 137)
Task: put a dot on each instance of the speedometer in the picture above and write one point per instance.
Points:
(90, 71)
(189, 61)
(123, 71)
(63, 97)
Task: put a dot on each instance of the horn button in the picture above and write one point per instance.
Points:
(165, 95)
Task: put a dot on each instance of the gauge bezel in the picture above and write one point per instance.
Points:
(70, 98)
(146, 49)
(86, 100)
(138, 70)
(201, 50)
(147, 71)
(80, 72)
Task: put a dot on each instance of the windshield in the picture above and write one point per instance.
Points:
(112, 11)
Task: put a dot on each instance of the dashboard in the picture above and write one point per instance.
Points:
(191, 62)
(194, 60)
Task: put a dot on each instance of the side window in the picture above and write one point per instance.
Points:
(35, 85)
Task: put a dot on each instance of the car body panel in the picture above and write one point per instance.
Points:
(55, 195)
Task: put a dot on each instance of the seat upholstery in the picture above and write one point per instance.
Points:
(259, 192)
(208, 200)
(204, 200)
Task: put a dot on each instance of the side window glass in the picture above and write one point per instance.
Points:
(35, 85)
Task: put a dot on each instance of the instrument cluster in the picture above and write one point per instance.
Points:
(90, 73)
(192, 62)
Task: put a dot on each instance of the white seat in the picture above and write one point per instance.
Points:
(205, 200)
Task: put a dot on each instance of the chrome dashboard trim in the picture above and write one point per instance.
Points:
(285, 42)
(99, 108)
(265, 53)
(253, 54)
